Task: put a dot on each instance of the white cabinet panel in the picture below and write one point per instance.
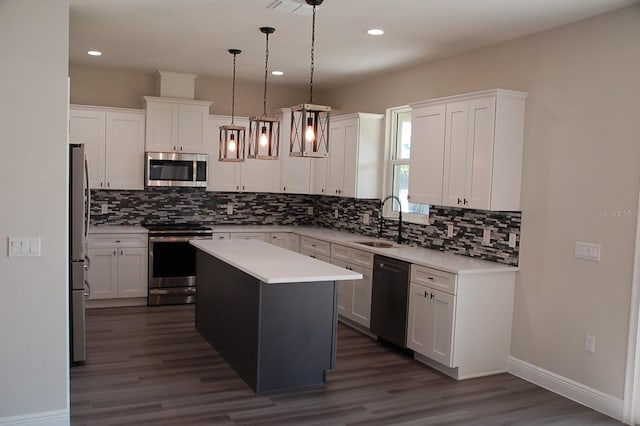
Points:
(118, 266)
(477, 159)
(88, 127)
(354, 296)
(114, 143)
(427, 150)
(176, 125)
(103, 273)
(125, 150)
(355, 159)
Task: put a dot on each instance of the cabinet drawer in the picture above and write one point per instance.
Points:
(434, 278)
(220, 236)
(247, 236)
(117, 240)
(315, 246)
(317, 256)
(350, 255)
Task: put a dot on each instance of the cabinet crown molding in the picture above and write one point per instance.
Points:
(504, 93)
(148, 99)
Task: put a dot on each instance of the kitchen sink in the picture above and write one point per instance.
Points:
(377, 244)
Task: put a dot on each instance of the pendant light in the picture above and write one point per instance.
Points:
(310, 122)
(264, 131)
(232, 137)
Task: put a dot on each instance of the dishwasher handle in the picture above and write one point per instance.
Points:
(389, 267)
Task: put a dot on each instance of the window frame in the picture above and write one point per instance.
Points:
(391, 126)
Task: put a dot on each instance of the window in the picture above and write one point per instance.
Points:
(397, 172)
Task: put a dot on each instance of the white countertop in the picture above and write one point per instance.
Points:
(117, 229)
(272, 264)
(442, 260)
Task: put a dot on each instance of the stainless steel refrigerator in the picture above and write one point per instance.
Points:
(79, 207)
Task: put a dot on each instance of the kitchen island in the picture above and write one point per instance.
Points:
(269, 312)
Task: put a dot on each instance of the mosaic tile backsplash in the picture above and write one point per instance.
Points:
(210, 208)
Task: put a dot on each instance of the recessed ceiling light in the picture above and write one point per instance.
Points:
(375, 31)
(278, 73)
(94, 53)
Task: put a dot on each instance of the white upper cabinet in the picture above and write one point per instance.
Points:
(355, 157)
(114, 143)
(176, 125)
(250, 175)
(295, 172)
(477, 160)
(427, 150)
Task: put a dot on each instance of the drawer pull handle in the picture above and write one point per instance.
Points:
(430, 278)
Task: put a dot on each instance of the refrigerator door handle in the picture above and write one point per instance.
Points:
(87, 263)
(87, 215)
(87, 292)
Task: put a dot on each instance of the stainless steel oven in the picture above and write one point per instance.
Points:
(172, 262)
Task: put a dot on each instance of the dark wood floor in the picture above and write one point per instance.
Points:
(148, 366)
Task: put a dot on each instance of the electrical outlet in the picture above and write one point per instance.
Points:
(449, 231)
(229, 208)
(512, 239)
(486, 237)
(310, 211)
(587, 251)
(336, 213)
(590, 344)
(366, 219)
(104, 208)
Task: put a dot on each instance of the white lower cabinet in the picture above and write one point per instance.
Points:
(118, 266)
(354, 296)
(431, 314)
(249, 236)
(287, 240)
(460, 324)
(318, 249)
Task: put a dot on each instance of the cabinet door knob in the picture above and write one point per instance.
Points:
(431, 296)
(115, 253)
(174, 148)
(459, 201)
(284, 188)
(465, 201)
(425, 293)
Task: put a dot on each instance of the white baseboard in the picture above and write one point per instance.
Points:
(47, 418)
(568, 388)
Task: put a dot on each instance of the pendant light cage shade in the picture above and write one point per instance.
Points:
(310, 122)
(232, 137)
(264, 138)
(310, 131)
(232, 141)
(264, 131)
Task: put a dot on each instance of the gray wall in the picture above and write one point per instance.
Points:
(33, 170)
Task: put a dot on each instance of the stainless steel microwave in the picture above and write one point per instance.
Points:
(175, 169)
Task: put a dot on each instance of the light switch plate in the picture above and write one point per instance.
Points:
(336, 213)
(229, 208)
(310, 210)
(24, 247)
(449, 231)
(512, 239)
(104, 208)
(366, 219)
(590, 344)
(587, 251)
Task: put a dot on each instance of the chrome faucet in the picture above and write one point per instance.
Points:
(384, 200)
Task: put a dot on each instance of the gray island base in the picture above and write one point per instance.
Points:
(277, 336)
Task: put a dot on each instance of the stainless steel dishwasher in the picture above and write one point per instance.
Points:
(389, 299)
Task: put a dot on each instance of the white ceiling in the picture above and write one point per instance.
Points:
(193, 36)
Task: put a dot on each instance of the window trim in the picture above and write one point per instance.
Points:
(391, 124)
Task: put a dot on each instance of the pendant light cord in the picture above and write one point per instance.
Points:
(266, 73)
(233, 90)
(313, 42)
